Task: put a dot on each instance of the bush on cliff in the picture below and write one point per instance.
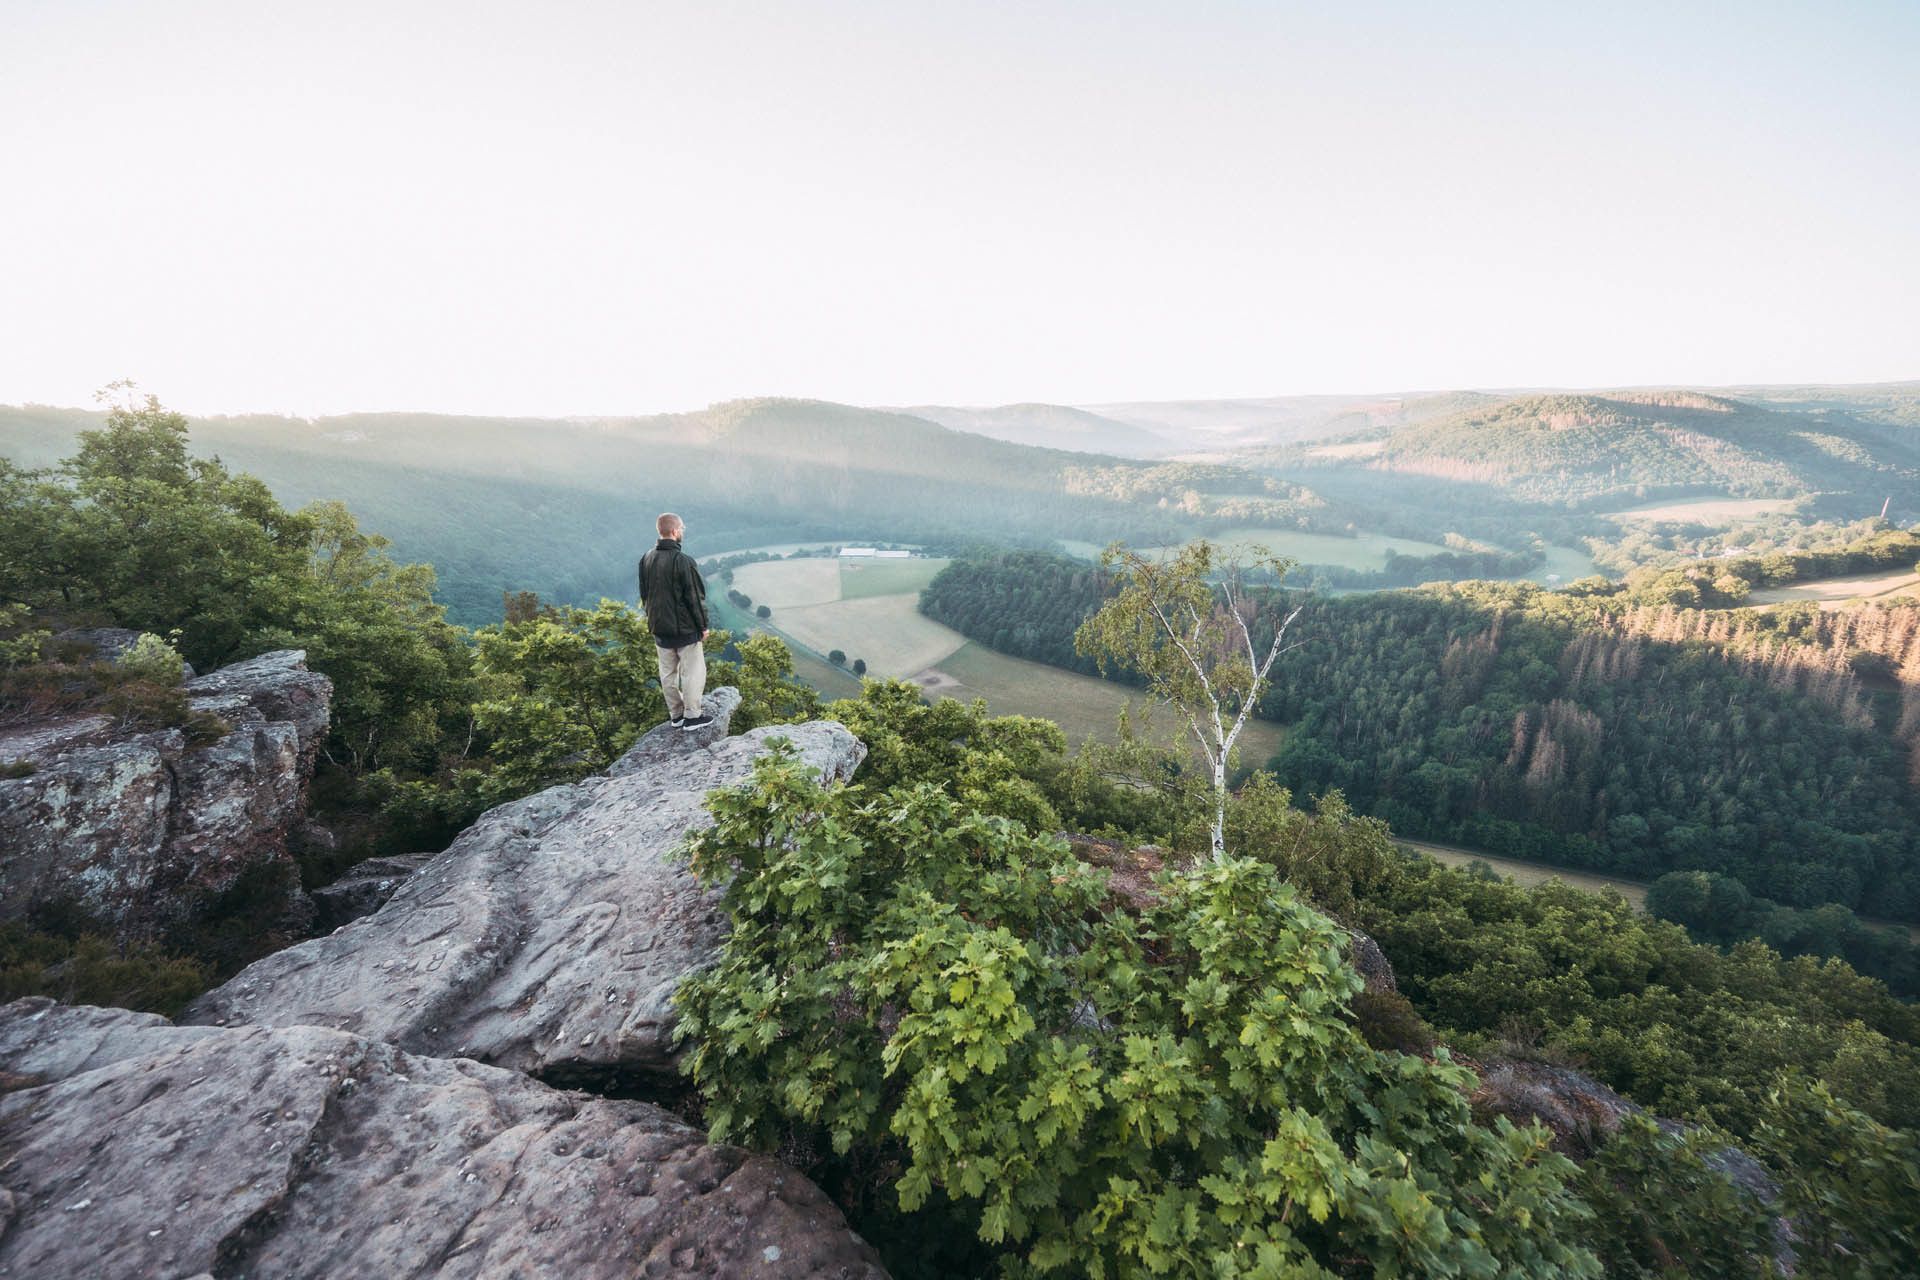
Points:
(955, 1009)
(86, 968)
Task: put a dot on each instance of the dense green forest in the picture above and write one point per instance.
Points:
(1588, 728)
(1054, 1062)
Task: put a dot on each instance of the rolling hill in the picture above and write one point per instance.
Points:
(1053, 426)
(564, 507)
(1587, 451)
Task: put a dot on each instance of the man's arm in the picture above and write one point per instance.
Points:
(643, 581)
(697, 593)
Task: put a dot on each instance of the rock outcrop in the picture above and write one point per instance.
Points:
(104, 644)
(551, 935)
(132, 1147)
(137, 830)
(1578, 1110)
(1371, 963)
(364, 889)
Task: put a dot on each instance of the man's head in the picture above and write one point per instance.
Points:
(670, 526)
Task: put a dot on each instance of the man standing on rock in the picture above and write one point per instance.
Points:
(675, 600)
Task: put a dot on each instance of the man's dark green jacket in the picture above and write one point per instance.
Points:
(673, 595)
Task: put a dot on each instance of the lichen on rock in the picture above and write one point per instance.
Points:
(138, 830)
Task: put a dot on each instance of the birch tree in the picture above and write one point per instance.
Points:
(1190, 627)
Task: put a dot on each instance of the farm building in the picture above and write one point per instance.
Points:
(848, 552)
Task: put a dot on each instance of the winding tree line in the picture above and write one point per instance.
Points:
(1727, 580)
(1402, 570)
(1560, 726)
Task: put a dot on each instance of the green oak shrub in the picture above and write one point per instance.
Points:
(955, 1010)
(1663, 1211)
(1849, 1184)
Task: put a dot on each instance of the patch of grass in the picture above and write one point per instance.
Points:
(1082, 705)
(1530, 873)
(813, 668)
(89, 969)
(862, 578)
(1710, 512)
(1829, 592)
(890, 632)
(783, 584)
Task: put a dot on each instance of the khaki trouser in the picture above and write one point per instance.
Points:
(683, 678)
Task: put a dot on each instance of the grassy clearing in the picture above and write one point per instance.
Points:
(1711, 512)
(862, 578)
(1357, 449)
(811, 667)
(782, 584)
(1532, 873)
(1564, 565)
(1082, 705)
(888, 631)
(831, 681)
(1835, 593)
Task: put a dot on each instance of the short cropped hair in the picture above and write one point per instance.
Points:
(668, 523)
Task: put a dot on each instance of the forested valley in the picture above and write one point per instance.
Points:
(1600, 726)
(1597, 727)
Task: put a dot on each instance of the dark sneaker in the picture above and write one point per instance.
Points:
(677, 721)
(696, 722)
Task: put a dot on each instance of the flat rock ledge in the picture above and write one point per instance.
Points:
(133, 1147)
(550, 937)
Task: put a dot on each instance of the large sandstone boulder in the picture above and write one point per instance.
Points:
(132, 1147)
(139, 830)
(551, 935)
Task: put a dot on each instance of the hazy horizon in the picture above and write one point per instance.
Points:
(588, 210)
(95, 404)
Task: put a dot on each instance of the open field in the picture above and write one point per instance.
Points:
(781, 584)
(861, 578)
(1531, 873)
(1357, 449)
(831, 681)
(1834, 593)
(888, 631)
(870, 609)
(1564, 565)
(1703, 511)
(820, 580)
(813, 668)
(1082, 705)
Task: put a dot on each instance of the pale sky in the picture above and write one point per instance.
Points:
(629, 207)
